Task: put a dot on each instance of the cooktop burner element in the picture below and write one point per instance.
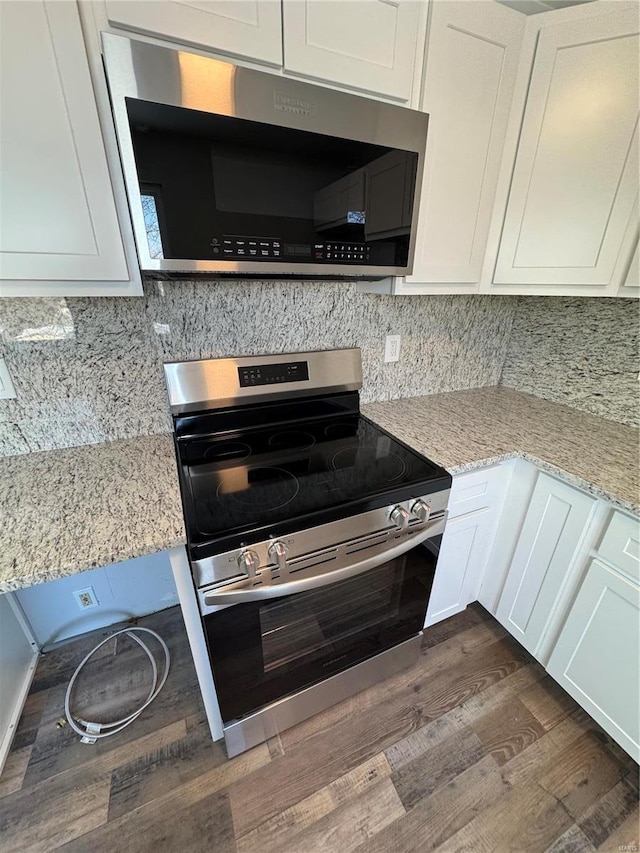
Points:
(261, 461)
(387, 465)
(261, 489)
(291, 439)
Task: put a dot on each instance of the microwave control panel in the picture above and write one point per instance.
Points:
(235, 248)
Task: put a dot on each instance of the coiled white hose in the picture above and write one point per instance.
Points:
(92, 731)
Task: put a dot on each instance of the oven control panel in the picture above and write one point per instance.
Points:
(273, 374)
(331, 547)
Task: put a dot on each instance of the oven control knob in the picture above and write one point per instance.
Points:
(399, 516)
(278, 552)
(249, 561)
(421, 510)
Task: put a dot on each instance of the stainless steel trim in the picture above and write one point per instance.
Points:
(257, 594)
(149, 72)
(214, 383)
(259, 727)
(315, 550)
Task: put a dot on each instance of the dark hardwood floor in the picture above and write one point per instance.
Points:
(473, 749)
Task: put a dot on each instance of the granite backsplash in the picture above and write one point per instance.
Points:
(90, 370)
(581, 352)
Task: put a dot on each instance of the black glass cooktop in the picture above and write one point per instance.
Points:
(263, 478)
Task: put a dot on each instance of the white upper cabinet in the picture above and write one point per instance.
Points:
(361, 44)
(576, 171)
(633, 275)
(59, 232)
(472, 58)
(249, 28)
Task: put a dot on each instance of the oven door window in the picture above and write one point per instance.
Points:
(263, 651)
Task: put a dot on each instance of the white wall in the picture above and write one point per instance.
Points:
(133, 588)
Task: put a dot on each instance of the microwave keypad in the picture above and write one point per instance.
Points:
(266, 248)
(249, 247)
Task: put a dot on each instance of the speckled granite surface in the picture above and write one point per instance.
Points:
(65, 511)
(466, 429)
(90, 370)
(582, 352)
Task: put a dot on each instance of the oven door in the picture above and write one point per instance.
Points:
(266, 649)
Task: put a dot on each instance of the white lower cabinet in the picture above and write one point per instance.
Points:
(596, 656)
(474, 509)
(560, 569)
(18, 659)
(554, 528)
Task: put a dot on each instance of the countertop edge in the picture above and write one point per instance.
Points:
(573, 479)
(24, 582)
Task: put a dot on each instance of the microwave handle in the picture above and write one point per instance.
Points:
(241, 596)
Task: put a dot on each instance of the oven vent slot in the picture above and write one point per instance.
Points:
(368, 542)
(312, 558)
(312, 564)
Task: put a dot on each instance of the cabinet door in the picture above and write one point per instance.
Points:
(461, 562)
(362, 44)
(58, 218)
(18, 659)
(596, 656)
(249, 28)
(576, 170)
(472, 58)
(552, 532)
(633, 274)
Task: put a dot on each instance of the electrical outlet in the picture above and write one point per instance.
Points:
(85, 598)
(392, 348)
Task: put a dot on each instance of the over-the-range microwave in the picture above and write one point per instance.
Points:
(234, 171)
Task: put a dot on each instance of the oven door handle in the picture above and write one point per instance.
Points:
(240, 596)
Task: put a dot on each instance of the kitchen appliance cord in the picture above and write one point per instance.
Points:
(92, 731)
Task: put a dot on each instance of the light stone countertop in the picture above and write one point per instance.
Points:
(462, 430)
(66, 511)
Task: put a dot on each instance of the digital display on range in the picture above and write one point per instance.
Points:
(272, 374)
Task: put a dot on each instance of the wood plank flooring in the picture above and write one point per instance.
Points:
(473, 749)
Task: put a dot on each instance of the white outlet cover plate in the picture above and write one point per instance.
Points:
(77, 593)
(392, 348)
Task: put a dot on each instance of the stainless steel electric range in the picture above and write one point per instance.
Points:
(312, 534)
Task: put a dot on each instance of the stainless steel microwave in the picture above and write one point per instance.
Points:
(241, 172)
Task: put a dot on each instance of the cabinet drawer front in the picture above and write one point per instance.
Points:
(596, 658)
(476, 490)
(620, 545)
